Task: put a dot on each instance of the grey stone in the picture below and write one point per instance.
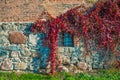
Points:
(31, 67)
(65, 69)
(82, 65)
(64, 59)
(90, 67)
(4, 33)
(78, 71)
(1, 29)
(26, 52)
(29, 59)
(82, 49)
(33, 39)
(60, 49)
(4, 26)
(74, 60)
(15, 59)
(14, 54)
(12, 27)
(7, 65)
(20, 66)
(14, 48)
(24, 59)
(1, 40)
(72, 68)
(34, 54)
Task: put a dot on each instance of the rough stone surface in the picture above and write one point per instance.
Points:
(17, 38)
(33, 39)
(21, 66)
(6, 65)
(64, 59)
(33, 56)
(82, 65)
(65, 69)
(14, 54)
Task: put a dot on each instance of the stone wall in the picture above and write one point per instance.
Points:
(20, 49)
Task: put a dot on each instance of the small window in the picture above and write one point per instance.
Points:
(65, 40)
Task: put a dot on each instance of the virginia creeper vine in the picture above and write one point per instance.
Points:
(101, 24)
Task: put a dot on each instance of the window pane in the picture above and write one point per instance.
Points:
(68, 40)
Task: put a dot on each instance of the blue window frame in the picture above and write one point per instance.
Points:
(65, 40)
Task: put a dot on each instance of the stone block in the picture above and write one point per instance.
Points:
(64, 59)
(14, 54)
(14, 48)
(20, 66)
(1, 40)
(33, 39)
(25, 52)
(7, 65)
(82, 49)
(65, 69)
(17, 38)
(82, 65)
(15, 60)
(60, 49)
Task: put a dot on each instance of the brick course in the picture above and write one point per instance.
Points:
(29, 10)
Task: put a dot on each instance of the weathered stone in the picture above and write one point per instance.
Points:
(82, 65)
(21, 66)
(64, 59)
(29, 59)
(89, 67)
(42, 70)
(33, 39)
(4, 33)
(82, 49)
(72, 68)
(65, 69)
(14, 54)
(14, 47)
(78, 71)
(48, 65)
(26, 52)
(24, 59)
(1, 29)
(1, 40)
(31, 67)
(71, 49)
(6, 65)
(17, 38)
(74, 59)
(5, 39)
(60, 49)
(16, 60)
(34, 54)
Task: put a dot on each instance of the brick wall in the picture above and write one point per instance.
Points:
(29, 10)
